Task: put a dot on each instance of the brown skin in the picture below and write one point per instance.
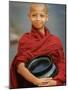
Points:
(22, 70)
(38, 17)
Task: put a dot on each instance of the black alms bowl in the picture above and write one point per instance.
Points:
(42, 66)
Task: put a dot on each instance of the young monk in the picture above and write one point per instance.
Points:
(36, 43)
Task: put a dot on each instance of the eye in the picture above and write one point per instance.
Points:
(33, 15)
(42, 15)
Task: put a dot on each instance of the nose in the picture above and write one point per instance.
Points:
(38, 17)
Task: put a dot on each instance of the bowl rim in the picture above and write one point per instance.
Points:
(44, 71)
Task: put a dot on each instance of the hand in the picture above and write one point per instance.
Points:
(43, 81)
(51, 83)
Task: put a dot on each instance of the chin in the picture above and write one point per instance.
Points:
(36, 27)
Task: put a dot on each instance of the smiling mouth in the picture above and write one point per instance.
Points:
(37, 22)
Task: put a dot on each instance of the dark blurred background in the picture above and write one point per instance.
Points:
(19, 23)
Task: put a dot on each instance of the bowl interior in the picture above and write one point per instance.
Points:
(40, 64)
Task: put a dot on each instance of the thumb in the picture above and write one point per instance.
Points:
(47, 79)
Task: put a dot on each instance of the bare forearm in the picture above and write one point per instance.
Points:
(22, 70)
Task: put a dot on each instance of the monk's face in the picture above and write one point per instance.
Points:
(38, 16)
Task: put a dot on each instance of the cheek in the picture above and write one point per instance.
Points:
(32, 19)
(44, 20)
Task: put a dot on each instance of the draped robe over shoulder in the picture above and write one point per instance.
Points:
(31, 45)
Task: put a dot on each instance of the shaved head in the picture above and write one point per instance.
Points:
(35, 6)
(38, 15)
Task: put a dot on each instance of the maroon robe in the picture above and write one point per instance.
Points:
(31, 45)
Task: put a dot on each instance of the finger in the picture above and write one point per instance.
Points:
(43, 84)
(46, 84)
(50, 77)
(50, 84)
(47, 79)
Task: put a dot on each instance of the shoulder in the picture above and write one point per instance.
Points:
(25, 37)
(56, 39)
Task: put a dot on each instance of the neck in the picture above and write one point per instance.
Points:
(41, 30)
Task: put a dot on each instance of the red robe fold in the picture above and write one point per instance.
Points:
(31, 45)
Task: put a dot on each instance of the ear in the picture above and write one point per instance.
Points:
(47, 18)
(28, 15)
